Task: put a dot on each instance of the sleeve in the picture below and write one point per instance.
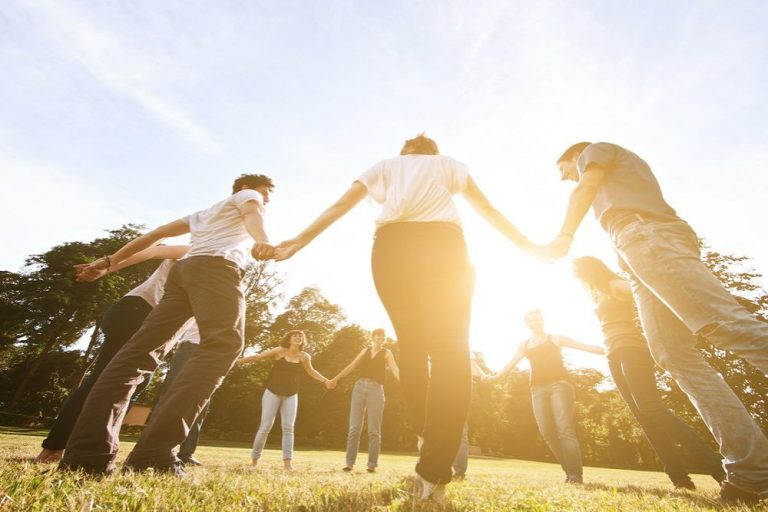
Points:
(600, 153)
(459, 176)
(246, 195)
(373, 181)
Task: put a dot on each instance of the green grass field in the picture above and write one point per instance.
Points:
(228, 483)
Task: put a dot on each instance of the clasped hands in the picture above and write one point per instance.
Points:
(554, 250)
(280, 252)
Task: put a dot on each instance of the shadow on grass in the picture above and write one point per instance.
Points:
(691, 497)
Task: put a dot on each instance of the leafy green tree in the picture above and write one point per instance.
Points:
(312, 312)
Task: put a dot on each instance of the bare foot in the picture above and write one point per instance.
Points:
(47, 455)
(287, 465)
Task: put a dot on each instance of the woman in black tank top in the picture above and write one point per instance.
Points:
(281, 393)
(551, 392)
(368, 395)
(633, 372)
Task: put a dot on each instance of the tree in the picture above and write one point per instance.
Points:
(312, 313)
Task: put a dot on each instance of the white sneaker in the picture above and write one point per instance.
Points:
(423, 491)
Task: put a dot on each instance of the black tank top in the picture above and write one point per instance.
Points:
(373, 367)
(546, 363)
(283, 379)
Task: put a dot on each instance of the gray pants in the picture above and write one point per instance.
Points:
(367, 395)
(207, 287)
(553, 407)
(461, 461)
(270, 404)
(678, 299)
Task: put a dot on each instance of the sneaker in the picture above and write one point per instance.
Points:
(370, 470)
(574, 480)
(424, 490)
(459, 477)
(347, 469)
(191, 461)
(729, 493)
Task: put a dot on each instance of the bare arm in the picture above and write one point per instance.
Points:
(487, 211)
(253, 221)
(516, 358)
(565, 341)
(579, 203)
(351, 366)
(267, 354)
(151, 238)
(620, 289)
(306, 361)
(392, 364)
(344, 204)
(99, 268)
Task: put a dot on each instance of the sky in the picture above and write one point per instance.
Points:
(115, 112)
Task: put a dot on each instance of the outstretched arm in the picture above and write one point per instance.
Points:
(483, 206)
(579, 203)
(346, 202)
(306, 361)
(101, 267)
(565, 341)
(254, 224)
(516, 358)
(351, 366)
(267, 354)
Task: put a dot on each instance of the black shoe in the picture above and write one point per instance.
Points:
(191, 461)
(685, 483)
(347, 469)
(729, 493)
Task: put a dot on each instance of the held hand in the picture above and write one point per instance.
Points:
(559, 247)
(87, 272)
(286, 249)
(263, 251)
(541, 252)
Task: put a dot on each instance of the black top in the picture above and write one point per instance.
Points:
(283, 379)
(546, 363)
(618, 321)
(373, 367)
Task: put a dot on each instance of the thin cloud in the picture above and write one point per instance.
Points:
(120, 68)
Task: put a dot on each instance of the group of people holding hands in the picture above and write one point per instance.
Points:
(425, 281)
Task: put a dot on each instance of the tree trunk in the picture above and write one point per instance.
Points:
(87, 355)
(27, 379)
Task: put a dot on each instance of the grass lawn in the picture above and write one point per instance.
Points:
(227, 483)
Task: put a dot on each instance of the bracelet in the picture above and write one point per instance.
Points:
(109, 262)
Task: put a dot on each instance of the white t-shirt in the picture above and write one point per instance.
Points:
(189, 333)
(153, 288)
(219, 230)
(416, 188)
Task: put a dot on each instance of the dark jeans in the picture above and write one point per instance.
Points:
(184, 351)
(425, 281)
(204, 286)
(632, 370)
(120, 322)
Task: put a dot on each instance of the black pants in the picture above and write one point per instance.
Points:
(632, 369)
(120, 322)
(204, 286)
(425, 281)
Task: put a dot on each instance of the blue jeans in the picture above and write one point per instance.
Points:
(679, 299)
(554, 408)
(460, 462)
(367, 394)
(270, 404)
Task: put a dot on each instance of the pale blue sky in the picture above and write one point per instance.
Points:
(117, 112)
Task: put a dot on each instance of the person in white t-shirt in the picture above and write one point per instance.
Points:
(118, 324)
(425, 280)
(206, 284)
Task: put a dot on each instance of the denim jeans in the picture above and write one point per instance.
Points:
(679, 299)
(554, 409)
(461, 461)
(206, 287)
(367, 395)
(632, 370)
(120, 322)
(183, 353)
(425, 281)
(270, 404)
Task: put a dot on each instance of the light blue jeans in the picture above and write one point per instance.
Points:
(270, 404)
(367, 395)
(554, 409)
(461, 461)
(679, 299)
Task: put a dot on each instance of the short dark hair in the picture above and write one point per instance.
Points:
(420, 145)
(285, 342)
(253, 181)
(573, 150)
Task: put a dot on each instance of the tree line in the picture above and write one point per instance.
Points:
(44, 313)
